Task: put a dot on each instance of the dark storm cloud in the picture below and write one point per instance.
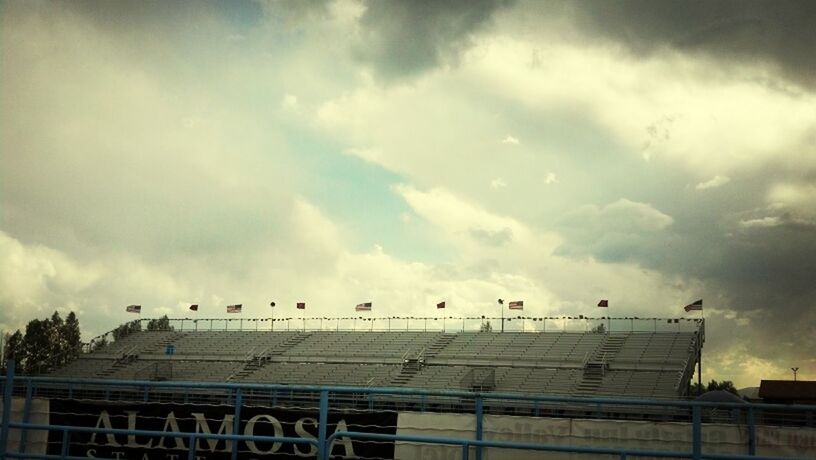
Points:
(406, 38)
(778, 32)
(757, 261)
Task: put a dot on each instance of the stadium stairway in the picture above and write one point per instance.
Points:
(596, 366)
(256, 362)
(159, 346)
(439, 344)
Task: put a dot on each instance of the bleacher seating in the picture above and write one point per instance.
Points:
(633, 364)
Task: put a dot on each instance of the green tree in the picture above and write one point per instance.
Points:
(72, 337)
(14, 349)
(126, 329)
(56, 352)
(725, 385)
(486, 327)
(161, 324)
(99, 342)
(36, 346)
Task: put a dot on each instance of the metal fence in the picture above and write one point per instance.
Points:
(376, 408)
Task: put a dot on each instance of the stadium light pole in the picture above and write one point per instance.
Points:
(795, 370)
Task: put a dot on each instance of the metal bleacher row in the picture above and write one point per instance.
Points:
(643, 364)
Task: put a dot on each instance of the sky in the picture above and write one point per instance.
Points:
(405, 153)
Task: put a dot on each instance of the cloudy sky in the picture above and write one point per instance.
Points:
(651, 153)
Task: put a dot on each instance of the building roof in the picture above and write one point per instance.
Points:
(801, 390)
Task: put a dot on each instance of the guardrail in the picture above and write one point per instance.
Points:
(237, 396)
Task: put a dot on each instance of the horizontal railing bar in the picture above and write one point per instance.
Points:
(414, 392)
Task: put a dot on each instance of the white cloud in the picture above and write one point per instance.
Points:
(714, 182)
(550, 178)
(497, 183)
(510, 140)
(290, 102)
(770, 221)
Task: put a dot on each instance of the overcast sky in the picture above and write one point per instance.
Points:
(650, 153)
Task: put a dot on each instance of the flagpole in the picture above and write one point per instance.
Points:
(501, 309)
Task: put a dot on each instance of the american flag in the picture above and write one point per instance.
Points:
(516, 305)
(194, 307)
(603, 303)
(363, 306)
(234, 308)
(301, 305)
(133, 309)
(698, 305)
(440, 305)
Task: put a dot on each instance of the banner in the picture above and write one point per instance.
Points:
(216, 419)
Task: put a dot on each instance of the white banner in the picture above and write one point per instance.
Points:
(36, 441)
(666, 436)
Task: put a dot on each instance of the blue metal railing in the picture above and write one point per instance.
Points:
(237, 393)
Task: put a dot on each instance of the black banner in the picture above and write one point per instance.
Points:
(216, 419)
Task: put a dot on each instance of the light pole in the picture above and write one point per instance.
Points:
(795, 370)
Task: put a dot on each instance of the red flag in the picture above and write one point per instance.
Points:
(194, 307)
(698, 305)
(516, 305)
(603, 303)
(440, 305)
(301, 305)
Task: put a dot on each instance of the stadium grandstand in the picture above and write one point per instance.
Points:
(656, 363)
(568, 387)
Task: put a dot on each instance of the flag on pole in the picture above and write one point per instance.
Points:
(516, 305)
(440, 304)
(133, 309)
(363, 306)
(194, 307)
(301, 305)
(603, 303)
(234, 308)
(698, 305)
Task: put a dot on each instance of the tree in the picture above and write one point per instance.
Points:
(725, 385)
(56, 339)
(36, 346)
(486, 327)
(161, 324)
(100, 342)
(72, 337)
(126, 329)
(599, 329)
(14, 349)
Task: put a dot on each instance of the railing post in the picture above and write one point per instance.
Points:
(751, 432)
(191, 452)
(236, 423)
(323, 449)
(66, 443)
(696, 433)
(479, 418)
(4, 434)
(26, 416)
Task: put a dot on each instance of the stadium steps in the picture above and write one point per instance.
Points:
(159, 346)
(597, 365)
(254, 363)
(410, 368)
(439, 344)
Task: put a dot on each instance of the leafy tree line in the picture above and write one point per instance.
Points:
(46, 344)
(725, 385)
